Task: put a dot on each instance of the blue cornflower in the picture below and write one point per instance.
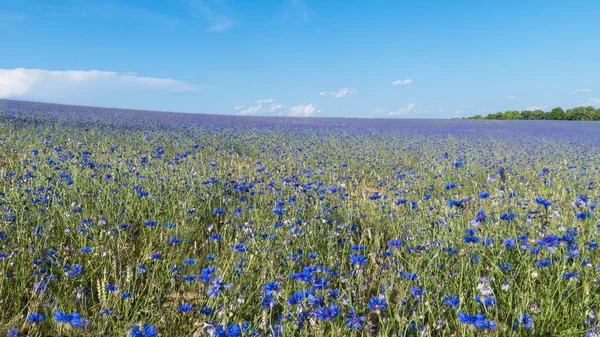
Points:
(508, 217)
(216, 237)
(567, 276)
(480, 218)
(395, 243)
(478, 320)
(271, 287)
(471, 239)
(151, 223)
(524, 320)
(13, 332)
(126, 294)
(304, 276)
(377, 303)
(231, 330)
(357, 248)
(354, 320)
(320, 283)
(583, 215)
(111, 288)
(299, 296)
(35, 317)
(488, 301)
(206, 274)
(357, 259)
(268, 301)
(185, 307)
(106, 312)
(207, 311)
(549, 241)
(75, 271)
(74, 319)
(450, 186)
(543, 263)
(86, 249)
(39, 286)
(418, 292)
(543, 202)
(451, 301)
(327, 313)
(509, 243)
(458, 203)
(314, 301)
(189, 261)
(143, 331)
(484, 195)
(410, 276)
(216, 287)
(278, 211)
(190, 278)
(506, 266)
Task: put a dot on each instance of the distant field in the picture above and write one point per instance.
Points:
(121, 222)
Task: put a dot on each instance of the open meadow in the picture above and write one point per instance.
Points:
(129, 223)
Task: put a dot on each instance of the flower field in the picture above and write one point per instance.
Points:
(131, 223)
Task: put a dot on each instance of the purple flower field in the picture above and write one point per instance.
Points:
(140, 223)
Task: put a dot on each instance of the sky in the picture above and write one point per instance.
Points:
(304, 58)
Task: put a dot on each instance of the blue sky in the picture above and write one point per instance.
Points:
(406, 59)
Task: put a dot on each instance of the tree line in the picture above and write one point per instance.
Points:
(580, 113)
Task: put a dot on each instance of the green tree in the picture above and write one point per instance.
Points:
(526, 114)
(556, 114)
(537, 114)
(513, 114)
(580, 113)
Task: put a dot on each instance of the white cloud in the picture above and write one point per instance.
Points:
(577, 91)
(458, 112)
(253, 110)
(274, 107)
(402, 111)
(343, 92)
(402, 82)
(19, 82)
(533, 108)
(593, 101)
(262, 105)
(511, 97)
(303, 110)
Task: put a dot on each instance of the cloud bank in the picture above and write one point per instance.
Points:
(577, 91)
(343, 92)
(402, 82)
(20, 82)
(402, 111)
(303, 110)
